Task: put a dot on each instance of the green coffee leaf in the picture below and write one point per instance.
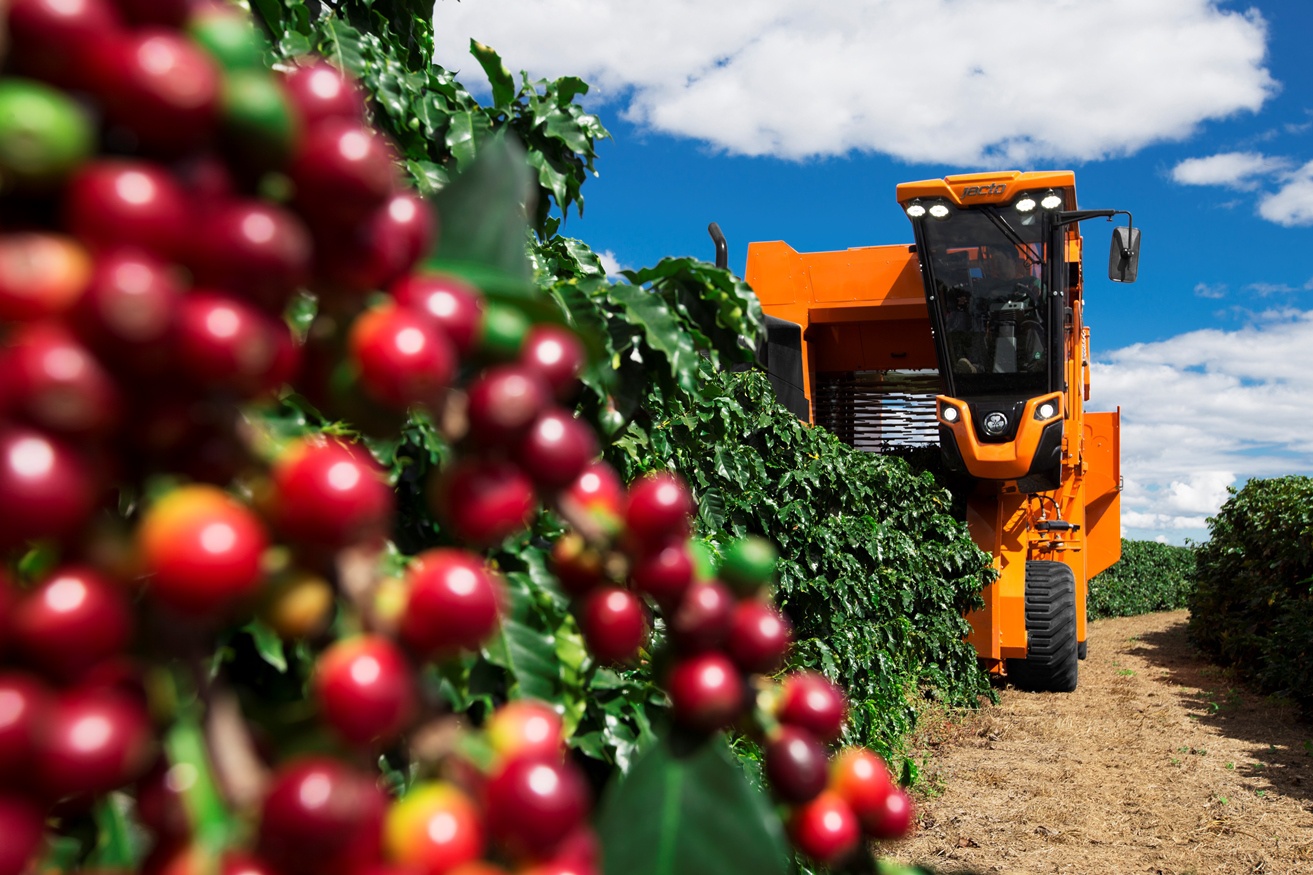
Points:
(689, 810)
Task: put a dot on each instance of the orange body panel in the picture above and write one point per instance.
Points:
(860, 309)
(1103, 495)
(1009, 461)
(966, 189)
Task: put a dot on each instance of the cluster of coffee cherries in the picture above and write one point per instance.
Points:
(725, 641)
(167, 202)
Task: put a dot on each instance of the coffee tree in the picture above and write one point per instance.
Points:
(296, 460)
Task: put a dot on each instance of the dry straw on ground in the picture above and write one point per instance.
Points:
(1159, 764)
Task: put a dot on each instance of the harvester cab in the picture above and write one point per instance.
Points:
(972, 339)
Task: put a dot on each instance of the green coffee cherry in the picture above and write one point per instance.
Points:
(229, 37)
(502, 332)
(749, 564)
(258, 121)
(44, 134)
(704, 561)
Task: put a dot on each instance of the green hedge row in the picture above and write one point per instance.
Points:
(1149, 577)
(1252, 607)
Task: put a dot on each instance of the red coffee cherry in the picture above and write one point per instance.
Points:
(365, 690)
(759, 637)
(532, 804)
(504, 402)
(95, 740)
(113, 202)
(796, 764)
(126, 316)
(55, 40)
(57, 384)
(401, 357)
(330, 493)
(375, 252)
(453, 603)
(321, 816)
(862, 779)
(576, 565)
(809, 700)
(253, 249)
(24, 707)
(706, 691)
(160, 804)
(893, 820)
(825, 829)
(41, 275)
(613, 623)
(434, 829)
(702, 619)
(526, 728)
(47, 489)
(555, 354)
(456, 305)
(71, 622)
(343, 171)
(163, 88)
(483, 501)
(22, 828)
(658, 507)
(319, 91)
(556, 449)
(201, 550)
(664, 572)
(167, 13)
(595, 499)
(226, 344)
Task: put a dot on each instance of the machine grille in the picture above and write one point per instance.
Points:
(879, 410)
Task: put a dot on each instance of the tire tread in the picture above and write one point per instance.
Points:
(1052, 662)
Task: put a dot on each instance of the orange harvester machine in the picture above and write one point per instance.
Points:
(972, 339)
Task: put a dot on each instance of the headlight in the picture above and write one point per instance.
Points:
(1045, 411)
(939, 211)
(1051, 201)
(950, 414)
(1026, 204)
(915, 211)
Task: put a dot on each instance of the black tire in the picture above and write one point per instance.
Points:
(1051, 664)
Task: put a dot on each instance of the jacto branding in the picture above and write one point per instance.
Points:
(994, 188)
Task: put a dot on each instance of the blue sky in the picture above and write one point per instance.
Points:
(789, 121)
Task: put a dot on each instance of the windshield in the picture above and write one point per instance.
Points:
(987, 276)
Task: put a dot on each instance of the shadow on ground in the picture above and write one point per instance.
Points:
(1217, 698)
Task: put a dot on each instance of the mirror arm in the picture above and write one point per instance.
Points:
(1067, 217)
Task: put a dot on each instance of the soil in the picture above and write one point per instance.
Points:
(1159, 764)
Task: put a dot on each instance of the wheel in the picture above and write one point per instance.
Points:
(1051, 661)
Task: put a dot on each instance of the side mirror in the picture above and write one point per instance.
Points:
(1124, 259)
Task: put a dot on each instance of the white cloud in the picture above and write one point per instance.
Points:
(1212, 292)
(1241, 170)
(1292, 204)
(949, 81)
(611, 264)
(1206, 410)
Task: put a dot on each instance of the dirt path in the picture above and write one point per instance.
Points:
(1159, 764)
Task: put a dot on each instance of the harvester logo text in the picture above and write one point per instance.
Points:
(994, 188)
